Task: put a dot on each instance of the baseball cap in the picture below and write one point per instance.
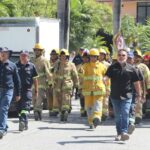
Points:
(25, 52)
(5, 49)
(130, 54)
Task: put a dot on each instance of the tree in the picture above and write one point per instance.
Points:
(128, 28)
(136, 35)
(43, 8)
(7, 8)
(144, 36)
(87, 17)
(28, 8)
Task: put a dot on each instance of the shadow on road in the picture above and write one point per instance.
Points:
(101, 141)
(54, 128)
(96, 136)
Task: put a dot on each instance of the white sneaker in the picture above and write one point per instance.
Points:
(118, 138)
(124, 137)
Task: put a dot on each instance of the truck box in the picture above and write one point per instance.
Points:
(23, 32)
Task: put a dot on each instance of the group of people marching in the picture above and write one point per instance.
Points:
(124, 81)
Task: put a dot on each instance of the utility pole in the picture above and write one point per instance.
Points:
(63, 14)
(116, 16)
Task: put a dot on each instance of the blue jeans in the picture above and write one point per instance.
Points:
(132, 111)
(121, 111)
(5, 100)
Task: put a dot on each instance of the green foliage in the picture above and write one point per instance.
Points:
(128, 29)
(96, 42)
(136, 35)
(87, 17)
(144, 36)
(7, 8)
(28, 8)
(43, 8)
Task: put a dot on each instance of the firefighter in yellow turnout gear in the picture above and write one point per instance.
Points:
(102, 59)
(93, 88)
(85, 59)
(54, 58)
(64, 77)
(145, 84)
(43, 68)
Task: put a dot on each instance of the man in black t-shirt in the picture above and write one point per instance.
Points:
(122, 76)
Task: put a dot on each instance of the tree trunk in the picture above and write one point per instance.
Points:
(64, 15)
(116, 15)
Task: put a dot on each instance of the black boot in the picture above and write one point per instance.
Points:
(138, 120)
(104, 117)
(83, 113)
(36, 115)
(96, 122)
(21, 125)
(40, 115)
(64, 115)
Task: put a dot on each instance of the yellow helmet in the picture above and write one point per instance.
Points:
(101, 50)
(65, 51)
(38, 46)
(138, 52)
(55, 50)
(94, 52)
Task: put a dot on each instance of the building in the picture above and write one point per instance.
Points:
(139, 9)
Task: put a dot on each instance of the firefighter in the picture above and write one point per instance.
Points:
(130, 60)
(93, 88)
(146, 59)
(85, 59)
(102, 59)
(43, 69)
(64, 77)
(77, 61)
(28, 76)
(145, 85)
(54, 57)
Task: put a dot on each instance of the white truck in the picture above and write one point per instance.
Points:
(21, 33)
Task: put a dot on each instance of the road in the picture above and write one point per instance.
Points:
(51, 134)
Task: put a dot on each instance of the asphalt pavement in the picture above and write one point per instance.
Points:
(52, 134)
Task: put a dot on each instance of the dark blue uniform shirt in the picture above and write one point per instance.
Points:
(26, 72)
(77, 60)
(9, 77)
